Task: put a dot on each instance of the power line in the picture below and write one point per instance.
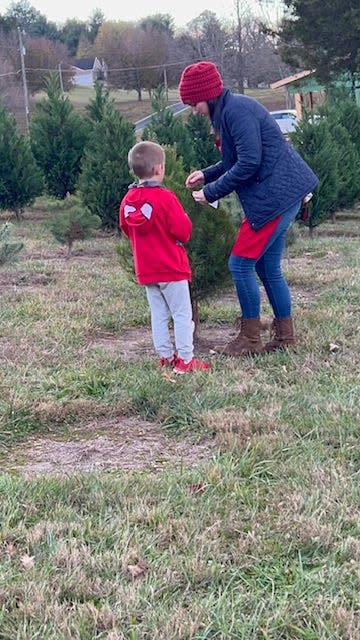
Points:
(10, 73)
(137, 68)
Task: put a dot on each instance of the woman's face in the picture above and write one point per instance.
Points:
(200, 109)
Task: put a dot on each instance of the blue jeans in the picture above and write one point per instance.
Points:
(268, 268)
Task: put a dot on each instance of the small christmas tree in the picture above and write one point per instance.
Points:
(72, 222)
(212, 238)
(8, 248)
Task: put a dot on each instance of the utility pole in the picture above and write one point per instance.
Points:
(61, 78)
(166, 85)
(26, 100)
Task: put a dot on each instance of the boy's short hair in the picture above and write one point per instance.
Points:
(144, 156)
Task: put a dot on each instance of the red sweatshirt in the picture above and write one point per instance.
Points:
(156, 225)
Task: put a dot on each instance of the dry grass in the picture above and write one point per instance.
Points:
(131, 108)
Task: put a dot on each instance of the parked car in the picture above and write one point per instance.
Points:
(286, 119)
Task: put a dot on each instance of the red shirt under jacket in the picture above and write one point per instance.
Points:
(156, 225)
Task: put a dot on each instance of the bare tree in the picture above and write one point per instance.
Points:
(209, 37)
(43, 55)
(263, 63)
(12, 92)
(110, 46)
(235, 55)
(135, 56)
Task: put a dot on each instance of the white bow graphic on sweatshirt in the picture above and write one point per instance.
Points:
(146, 209)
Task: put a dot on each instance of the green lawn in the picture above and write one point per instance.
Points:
(128, 104)
(256, 539)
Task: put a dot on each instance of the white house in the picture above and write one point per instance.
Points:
(88, 70)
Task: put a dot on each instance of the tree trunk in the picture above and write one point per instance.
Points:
(353, 93)
(69, 249)
(195, 314)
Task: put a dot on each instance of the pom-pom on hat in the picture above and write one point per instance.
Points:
(200, 82)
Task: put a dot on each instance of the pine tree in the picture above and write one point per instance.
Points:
(323, 35)
(316, 146)
(105, 175)
(344, 122)
(58, 135)
(212, 238)
(348, 166)
(347, 113)
(203, 140)
(98, 105)
(20, 179)
(73, 222)
(167, 129)
(8, 248)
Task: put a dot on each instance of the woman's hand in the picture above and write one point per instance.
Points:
(199, 197)
(195, 179)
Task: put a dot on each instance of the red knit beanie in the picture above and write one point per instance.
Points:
(200, 82)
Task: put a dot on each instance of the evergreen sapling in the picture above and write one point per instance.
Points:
(72, 223)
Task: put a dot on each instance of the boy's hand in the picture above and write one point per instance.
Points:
(194, 179)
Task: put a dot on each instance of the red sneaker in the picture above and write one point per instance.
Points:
(168, 362)
(187, 367)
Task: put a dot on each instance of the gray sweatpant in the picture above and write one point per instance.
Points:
(171, 300)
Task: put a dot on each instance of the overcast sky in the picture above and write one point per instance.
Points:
(182, 11)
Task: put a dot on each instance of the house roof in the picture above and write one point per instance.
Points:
(291, 79)
(86, 64)
(305, 82)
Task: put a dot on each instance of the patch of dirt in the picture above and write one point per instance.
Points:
(47, 254)
(303, 297)
(122, 443)
(340, 233)
(118, 442)
(36, 214)
(12, 354)
(9, 280)
(136, 343)
(78, 253)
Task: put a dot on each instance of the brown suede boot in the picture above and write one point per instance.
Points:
(247, 342)
(282, 335)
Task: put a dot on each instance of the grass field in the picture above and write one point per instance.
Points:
(133, 109)
(135, 505)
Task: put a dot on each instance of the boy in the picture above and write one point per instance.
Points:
(157, 226)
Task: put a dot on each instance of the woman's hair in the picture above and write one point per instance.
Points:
(212, 104)
(144, 156)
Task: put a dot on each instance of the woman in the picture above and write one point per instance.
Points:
(271, 181)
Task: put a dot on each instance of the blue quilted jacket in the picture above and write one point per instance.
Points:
(266, 172)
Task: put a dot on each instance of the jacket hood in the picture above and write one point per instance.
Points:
(139, 206)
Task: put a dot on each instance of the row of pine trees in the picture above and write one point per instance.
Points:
(81, 161)
(67, 153)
